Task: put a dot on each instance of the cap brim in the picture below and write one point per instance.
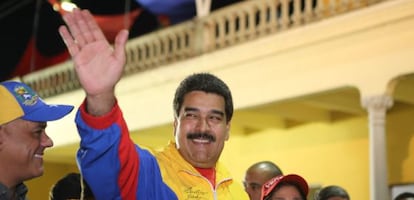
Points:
(48, 113)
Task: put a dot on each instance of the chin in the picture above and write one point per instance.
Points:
(38, 172)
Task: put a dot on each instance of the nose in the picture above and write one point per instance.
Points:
(203, 125)
(46, 141)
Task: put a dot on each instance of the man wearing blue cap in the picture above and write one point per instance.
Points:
(23, 120)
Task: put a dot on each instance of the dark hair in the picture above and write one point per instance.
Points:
(332, 191)
(282, 184)
(69, 187)
(404, 195)
(207, 83)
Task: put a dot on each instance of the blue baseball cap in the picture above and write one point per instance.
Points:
(18, 100)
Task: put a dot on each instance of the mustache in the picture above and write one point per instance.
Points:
(201, 136)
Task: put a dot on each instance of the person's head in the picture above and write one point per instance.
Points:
(285, 187)
(332, 192)
(23, 120)
(203, 108)
(256, 175)
(405, 196)
(71, 186)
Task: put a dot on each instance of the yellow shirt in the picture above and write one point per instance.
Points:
(189, 184)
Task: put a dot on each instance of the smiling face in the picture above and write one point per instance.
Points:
(22, 144)
(200, 129)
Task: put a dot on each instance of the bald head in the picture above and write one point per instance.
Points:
(267, 168)
(256, 175)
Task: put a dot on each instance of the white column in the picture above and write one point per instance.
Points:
(203, 7)
(377, 107)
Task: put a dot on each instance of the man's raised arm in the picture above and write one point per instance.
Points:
(98, 65)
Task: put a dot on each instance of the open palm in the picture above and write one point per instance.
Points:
(98, 65)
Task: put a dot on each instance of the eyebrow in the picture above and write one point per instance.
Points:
(187, 109)
(42, 125)
(251, 184)
(218, 112)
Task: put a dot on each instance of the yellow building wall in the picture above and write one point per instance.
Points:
(325, 154)
(400, 138)
(322, 153)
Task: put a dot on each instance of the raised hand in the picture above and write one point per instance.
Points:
(98, 65)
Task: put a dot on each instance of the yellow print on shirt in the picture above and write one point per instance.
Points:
(195, 193)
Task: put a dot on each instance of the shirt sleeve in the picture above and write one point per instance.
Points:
(113, 166)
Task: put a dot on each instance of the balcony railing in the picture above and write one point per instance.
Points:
(228, 26)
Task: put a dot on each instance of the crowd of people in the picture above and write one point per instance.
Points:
(187, 168)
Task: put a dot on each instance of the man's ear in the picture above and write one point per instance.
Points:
(1, 136)
(228, 131)
(175, 124)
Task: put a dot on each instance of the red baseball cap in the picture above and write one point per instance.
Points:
(290, 178)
